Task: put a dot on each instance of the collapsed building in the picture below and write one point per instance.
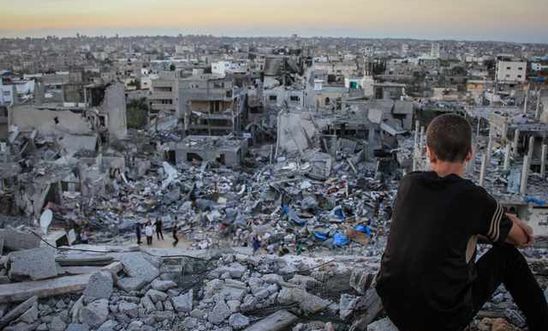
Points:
(303, 155)
(55, 147)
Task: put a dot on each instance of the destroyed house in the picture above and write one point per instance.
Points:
(103, 115)
(227, 151)
(212, 105)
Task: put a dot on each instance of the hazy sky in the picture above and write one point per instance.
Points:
(509, 20)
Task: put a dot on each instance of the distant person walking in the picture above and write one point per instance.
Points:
(138, 229)
(159, 229)
(175, 238)
(149, 231)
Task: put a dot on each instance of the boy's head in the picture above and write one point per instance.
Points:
(449, 139)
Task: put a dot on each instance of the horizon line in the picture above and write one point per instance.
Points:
(73, 34)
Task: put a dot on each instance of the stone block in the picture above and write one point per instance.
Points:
(35, 264)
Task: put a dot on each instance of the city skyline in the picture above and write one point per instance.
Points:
(420, 19)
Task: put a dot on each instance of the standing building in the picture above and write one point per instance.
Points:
(435, 51)
(510, 70)
(212, 105)
(165, 94)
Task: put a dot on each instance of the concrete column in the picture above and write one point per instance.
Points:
(415, 157)
(422, 139)
(524, 176)
(525, 104)
(483, 169)
(489, 145)
(516, 142)
(531, 148)
(505, 130)
(543, 160)
(537, 108)
(417, 130)
(507, 157)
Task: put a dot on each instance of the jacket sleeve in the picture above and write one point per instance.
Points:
(488, 217)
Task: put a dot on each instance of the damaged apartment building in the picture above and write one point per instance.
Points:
(60, 150)
(207, 107)
(212, 105)
(334, 110)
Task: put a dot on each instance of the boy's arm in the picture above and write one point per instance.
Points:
(521, 234)
(488, 218)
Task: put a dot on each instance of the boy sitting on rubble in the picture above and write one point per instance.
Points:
(429, 278)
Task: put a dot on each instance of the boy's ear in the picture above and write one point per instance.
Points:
(470, 155)
(430, 155)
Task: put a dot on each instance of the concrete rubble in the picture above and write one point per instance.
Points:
(229, 290)
(276, 166)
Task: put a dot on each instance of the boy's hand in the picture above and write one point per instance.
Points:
(527, 230)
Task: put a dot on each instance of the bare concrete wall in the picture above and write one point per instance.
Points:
(48, 121)
(114, 105)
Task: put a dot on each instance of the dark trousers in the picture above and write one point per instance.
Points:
(149, 240)
(159, 233)
(175, 240)
(504, 264)
(139, 238)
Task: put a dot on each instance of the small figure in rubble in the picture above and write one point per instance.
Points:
(84, 236)
(149, 231)
(256, 244)
(159, 229)
(138, 229)
(175, 238)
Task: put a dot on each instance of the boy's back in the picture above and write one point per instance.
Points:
(428, 265)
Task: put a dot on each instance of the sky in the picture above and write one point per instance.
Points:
(504, 20)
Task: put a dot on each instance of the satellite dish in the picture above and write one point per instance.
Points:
(45, 220)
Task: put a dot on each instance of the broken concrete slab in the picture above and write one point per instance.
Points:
(36, 264)
(382, 325)
(17, 240)
(21, 327)
(371, 304)
(30, 316)
(220, 312)
(100, 286)
(309, 303)
(129, 284)
(114, 268)
(95, 313)
(277, 321)
(135, 265)
(361, 280)
(183, 303)
(163, 285)
(84, 260)
(18, 311)
(80, 270)
(77, 327)
(43, 288)
(238, 321)
(156, 295)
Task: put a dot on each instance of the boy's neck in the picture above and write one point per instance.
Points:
(443, 168)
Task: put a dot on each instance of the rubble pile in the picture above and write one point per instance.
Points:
(120, 288)
(280, 203)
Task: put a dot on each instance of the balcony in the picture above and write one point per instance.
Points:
(159, 95)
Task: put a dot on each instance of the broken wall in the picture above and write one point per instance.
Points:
(49, 122)
(298, 131)
(114, 104)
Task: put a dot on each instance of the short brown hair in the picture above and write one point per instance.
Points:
(449, 137)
